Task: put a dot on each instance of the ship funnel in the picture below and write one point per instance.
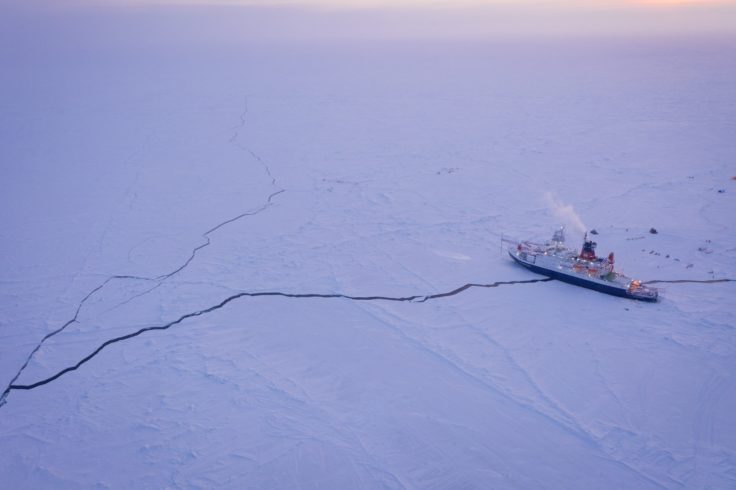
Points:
(588, 251)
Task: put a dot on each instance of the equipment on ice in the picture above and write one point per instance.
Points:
(555, 260)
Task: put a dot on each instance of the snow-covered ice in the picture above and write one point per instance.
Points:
(153, 185)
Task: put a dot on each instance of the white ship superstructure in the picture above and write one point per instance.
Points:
(585, 269)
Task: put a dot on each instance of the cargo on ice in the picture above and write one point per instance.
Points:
(584, 269)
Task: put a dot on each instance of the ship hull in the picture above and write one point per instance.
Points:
(582, 282)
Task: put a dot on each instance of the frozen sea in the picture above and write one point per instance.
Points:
(285, 212)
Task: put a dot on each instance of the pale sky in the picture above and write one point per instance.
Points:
(434, 3)
(438, 19)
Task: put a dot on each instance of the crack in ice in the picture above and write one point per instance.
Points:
(413, 298)
(684, 281)
(159, 279)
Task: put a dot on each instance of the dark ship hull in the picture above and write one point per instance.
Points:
(577, 280)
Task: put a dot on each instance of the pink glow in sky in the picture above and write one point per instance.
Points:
(437, 19)
(446, 4)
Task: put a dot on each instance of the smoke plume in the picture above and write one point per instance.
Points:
(565, 213)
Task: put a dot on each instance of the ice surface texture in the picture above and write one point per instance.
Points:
(323, 193)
